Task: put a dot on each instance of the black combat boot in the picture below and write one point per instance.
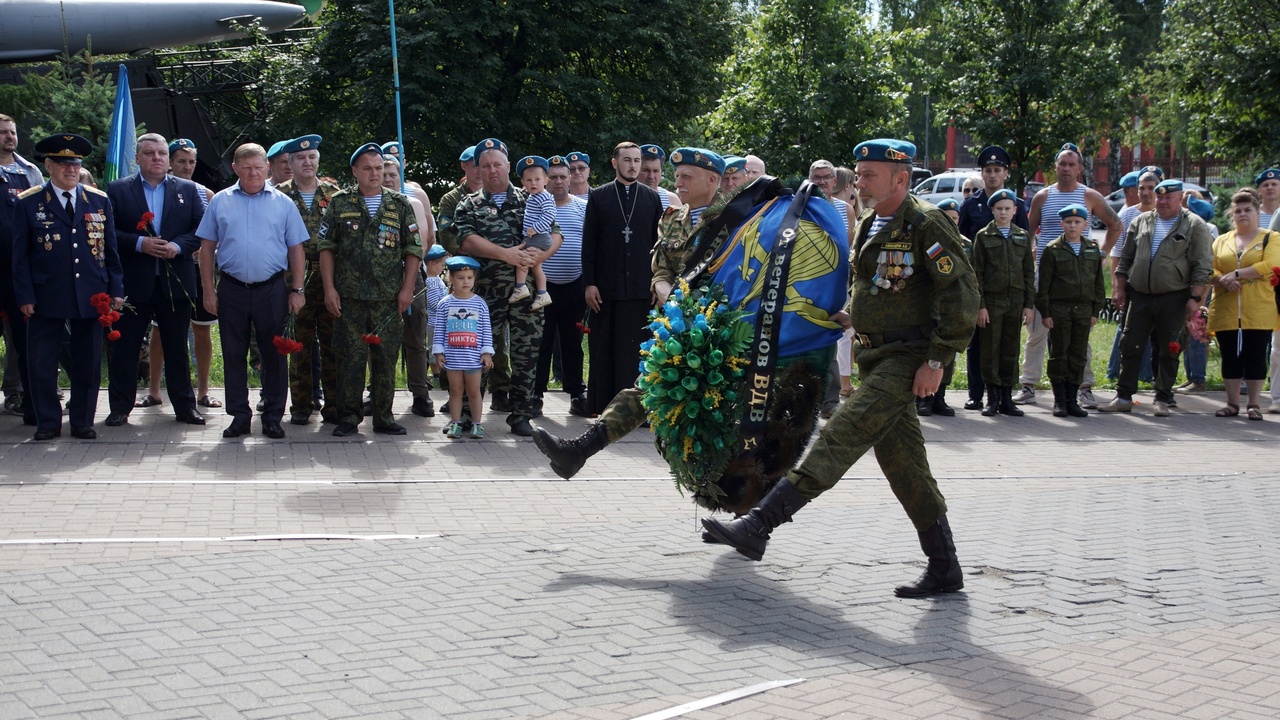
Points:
(1072, 399)
(750, 533)
(993, 401)
(1059, 401)
(940, 406)
(974, 402)
(1006, 403)
(568, 456)
(924, 406)
(943, 574)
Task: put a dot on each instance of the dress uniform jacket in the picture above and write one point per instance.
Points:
(60, 262)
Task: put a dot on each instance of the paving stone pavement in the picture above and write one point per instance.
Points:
(1115, 567)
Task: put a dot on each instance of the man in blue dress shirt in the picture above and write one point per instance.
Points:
(64, 253)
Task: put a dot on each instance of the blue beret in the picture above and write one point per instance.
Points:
(488, 144)
(948, 204)
(369, 147)
(181, 144)
(576, 156)
(1002, 194)
(65, 147)
(1265, 175)
(994, 155)
(1068, 147)
(1151, 169)
(461, 262)
(531, 161)
(436, 252)
(1203, 208)
(885, 150)
(557, 161)
(1130, 179)
(698, 157)
(306, 142)
(387, 146)
(467, 154)
(734, 164)
(1076, 210)
(1169, 186)
(276, 149)
(652, 151)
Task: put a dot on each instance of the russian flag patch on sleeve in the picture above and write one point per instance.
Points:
(935, 250)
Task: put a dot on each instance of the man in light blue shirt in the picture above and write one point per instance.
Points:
(253, 233)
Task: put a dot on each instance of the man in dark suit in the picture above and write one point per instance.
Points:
(159, 277)
(64, 253)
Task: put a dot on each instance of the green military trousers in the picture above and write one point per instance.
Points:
(880, 414)
(354, 355)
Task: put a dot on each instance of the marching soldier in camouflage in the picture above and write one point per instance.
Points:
(370, 250)
(914, 302)
(698, 185)
(313, 322)
(489, 227)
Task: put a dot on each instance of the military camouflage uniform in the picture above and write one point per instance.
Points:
(313, 322)
(369, 254)
(1071, 294)
(477, 214)
(930, 317)
(1006, 276)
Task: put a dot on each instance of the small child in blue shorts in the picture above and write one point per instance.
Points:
(539, 216)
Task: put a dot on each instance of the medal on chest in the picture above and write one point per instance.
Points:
(893, 267)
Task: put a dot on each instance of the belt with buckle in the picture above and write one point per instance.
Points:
(875, 340)
(237, 281)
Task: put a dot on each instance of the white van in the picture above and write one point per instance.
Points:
(945, 185)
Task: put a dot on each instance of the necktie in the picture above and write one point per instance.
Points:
(71, 210)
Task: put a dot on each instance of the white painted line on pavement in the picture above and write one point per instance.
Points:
(228, 538)
(721, 699)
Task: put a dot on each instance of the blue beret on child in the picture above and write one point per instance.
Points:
(885, 150)
(1002, 194)
(532, 161)
(949, 204)
(436, 252)
(1076, 210)
(461, 262)
(698, 157)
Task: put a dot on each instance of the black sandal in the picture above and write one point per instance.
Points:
(1254, 412)
(1228, 411)
(206, 401)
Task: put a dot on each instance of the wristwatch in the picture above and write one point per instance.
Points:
(935, 365)
(299, 291)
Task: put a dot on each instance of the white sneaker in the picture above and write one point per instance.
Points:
(1119, 405)
(1085, 399)
(540, 300)
(1026, 394)
(521, 292)
(1161, 409)
(1275, 407)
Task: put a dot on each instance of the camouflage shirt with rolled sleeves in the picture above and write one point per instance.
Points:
(445, 208)
(311, 217)
(675, 229)
(939, 296)
(369, 252)
(478, 214)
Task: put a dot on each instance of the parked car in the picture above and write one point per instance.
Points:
(919, 175)
(945, 185)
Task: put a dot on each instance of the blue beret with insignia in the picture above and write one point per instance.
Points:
(1068, 147)
(531, 161)
(277, 149)
(1169, 186)
(1002, 194)
(1265, 175)
(994, 155)
(66, 146)
(467, 154)
(884, 150)
(949, 204)
(486, 145)
(576, 156)
(306, 142)
(1203, 208)
(734, 164)
(1151, 169)
(436, 252)
(369, 147)
(652, 151)
(461, 262)
(557, 161)
(1130, 180)
(698, 157)
(181, 144)
(387, 147)
(1075, 210)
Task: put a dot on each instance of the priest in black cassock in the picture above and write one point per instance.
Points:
(620, 230)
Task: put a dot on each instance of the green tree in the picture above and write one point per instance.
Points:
(546, 77)
(1033, 74)
(74, 97)
(810, 81)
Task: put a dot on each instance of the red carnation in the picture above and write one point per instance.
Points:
(371, 339)
(1175, 347)
(104, 321)
(101, 302)
(113, 336)
(1275, 276)
(584, 329)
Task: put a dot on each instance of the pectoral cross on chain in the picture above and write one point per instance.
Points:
(626, 234)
